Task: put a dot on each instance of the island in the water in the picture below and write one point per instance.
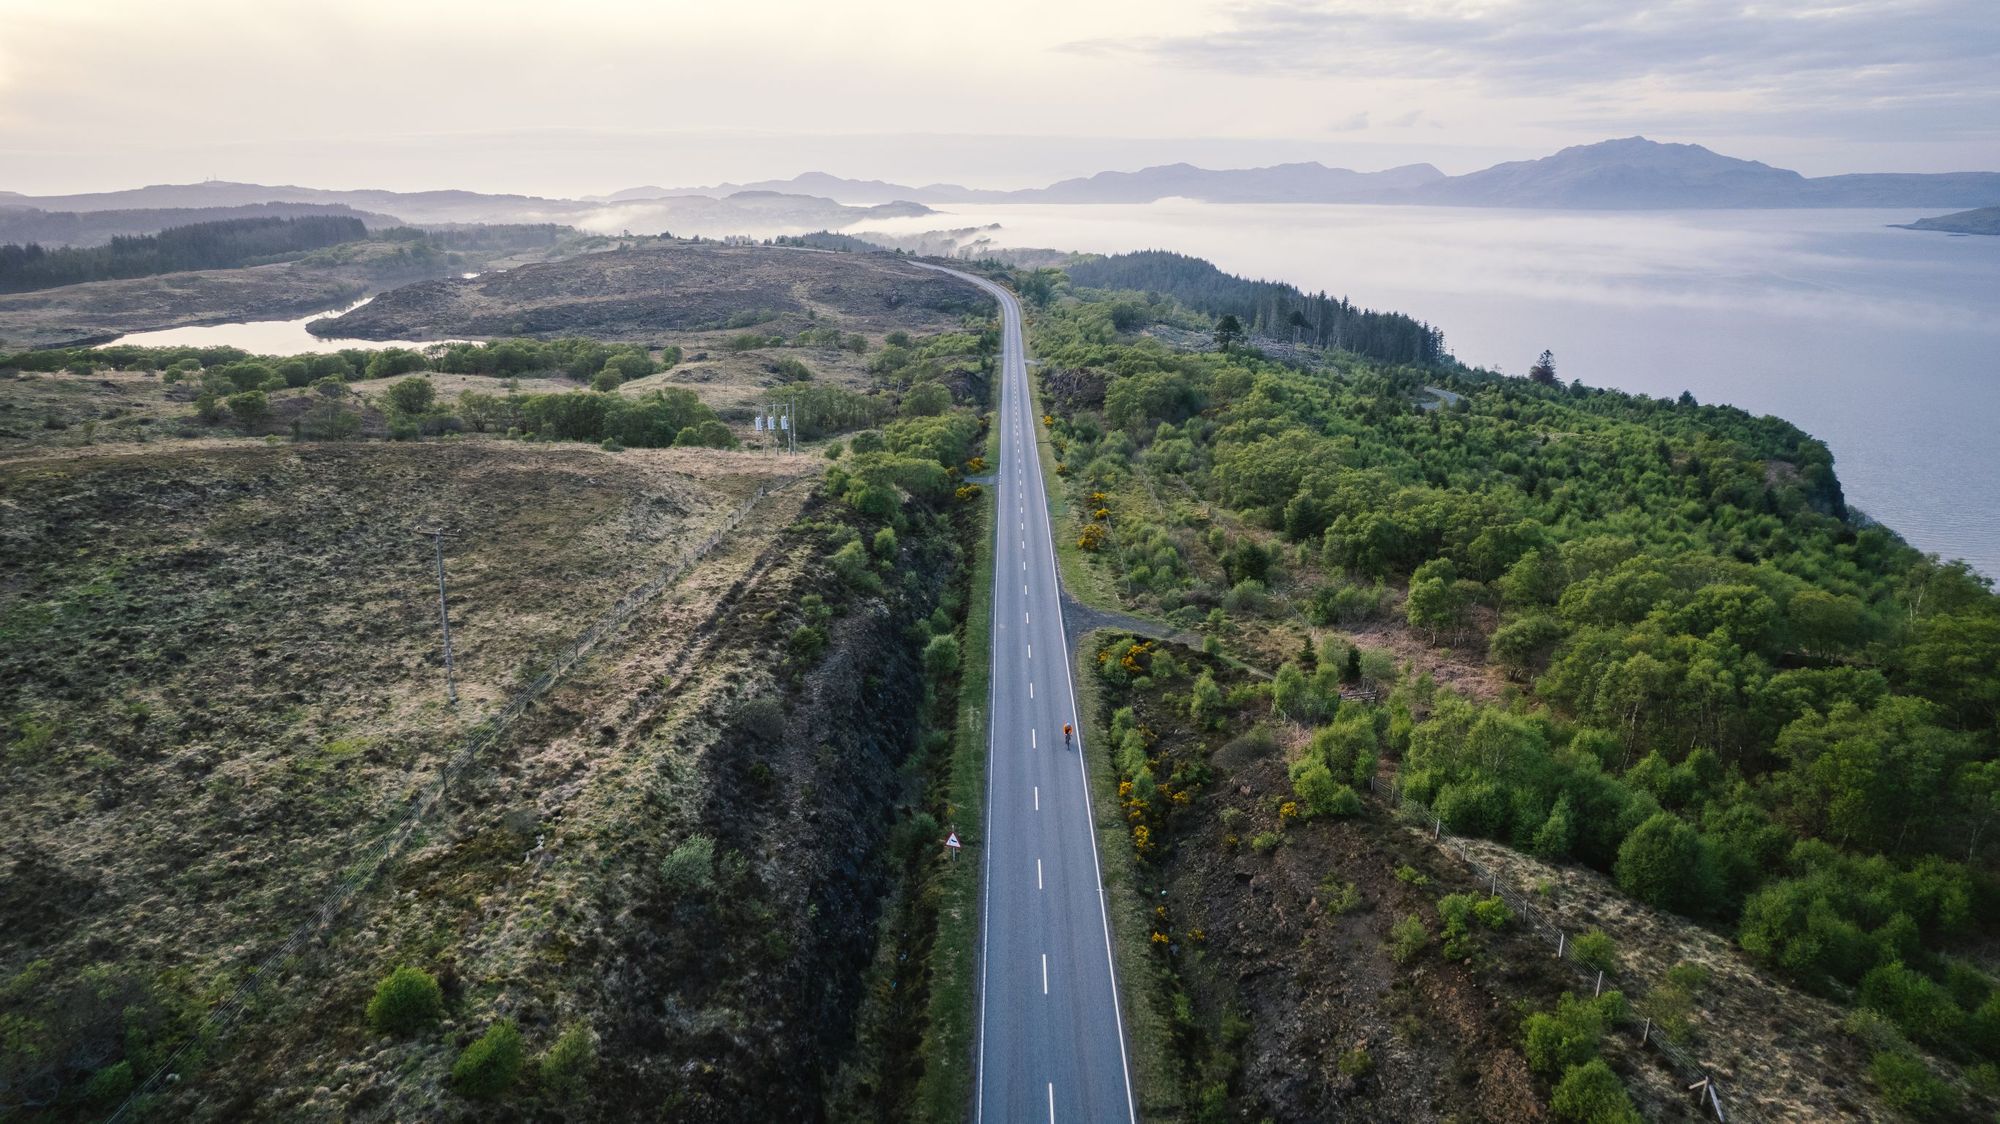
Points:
(1980, 220)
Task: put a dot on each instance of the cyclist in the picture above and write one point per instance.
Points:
(1066, 733)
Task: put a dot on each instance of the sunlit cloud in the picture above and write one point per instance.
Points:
(1863, 65)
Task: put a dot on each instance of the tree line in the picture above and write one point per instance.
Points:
(1268, 308)
(207, 245)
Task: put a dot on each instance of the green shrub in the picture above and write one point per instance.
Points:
(1557, 834)
(1246, 596)
(1265, 841)
(1908, 1084)
(1460, 911)
(1917, 1005)
(410, 397)
(1493, 913)
(708, 433)
(1407, 939)
(1569, 1035)
(1591, 1094)
(611, 445)
(490, 1065)
(1343, 897)
(563, 1070)
(941, 657)
(1985, 1077)
(833, 451)
(1411, 875)
(1595, 950)
(249, 408)
(407, 1001)
(806, 643)
(1205, 701)
(1346, 802)
(850, 564)
(1357, 1063)
(690, 867)
(1314, 785)
(1474, 808)
(112, 1083)
(1665, 863)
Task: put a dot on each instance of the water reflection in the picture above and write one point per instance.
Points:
(267, 337)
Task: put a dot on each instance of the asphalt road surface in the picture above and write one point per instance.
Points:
(1051, 1041)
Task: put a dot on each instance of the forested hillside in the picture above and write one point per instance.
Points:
(94, 228)
(1682, 665)
(207, 245)
(1267, 307)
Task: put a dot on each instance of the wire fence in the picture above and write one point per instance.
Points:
(370, 863)
(1699, 1078)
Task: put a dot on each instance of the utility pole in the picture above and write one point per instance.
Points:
(438, 535)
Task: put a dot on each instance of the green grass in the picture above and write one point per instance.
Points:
(945, 1090)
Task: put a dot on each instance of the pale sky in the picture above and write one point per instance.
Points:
(590, 96)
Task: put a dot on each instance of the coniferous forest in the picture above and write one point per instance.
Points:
(1268, 308)
(207, 245)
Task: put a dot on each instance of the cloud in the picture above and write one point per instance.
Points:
(1873, 62)
(1353, 123)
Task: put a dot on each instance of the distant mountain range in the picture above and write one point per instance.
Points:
(54, 219)
(1633, 173)
(410, 206)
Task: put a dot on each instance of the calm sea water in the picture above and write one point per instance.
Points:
(1884, 343)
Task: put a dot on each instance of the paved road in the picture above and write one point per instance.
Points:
(1051, 1038)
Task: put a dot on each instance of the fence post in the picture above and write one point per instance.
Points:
(1645, 1032)
(1561, 938)
(1599, 989)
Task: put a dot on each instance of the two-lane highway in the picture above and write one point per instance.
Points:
(1051, 1039)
